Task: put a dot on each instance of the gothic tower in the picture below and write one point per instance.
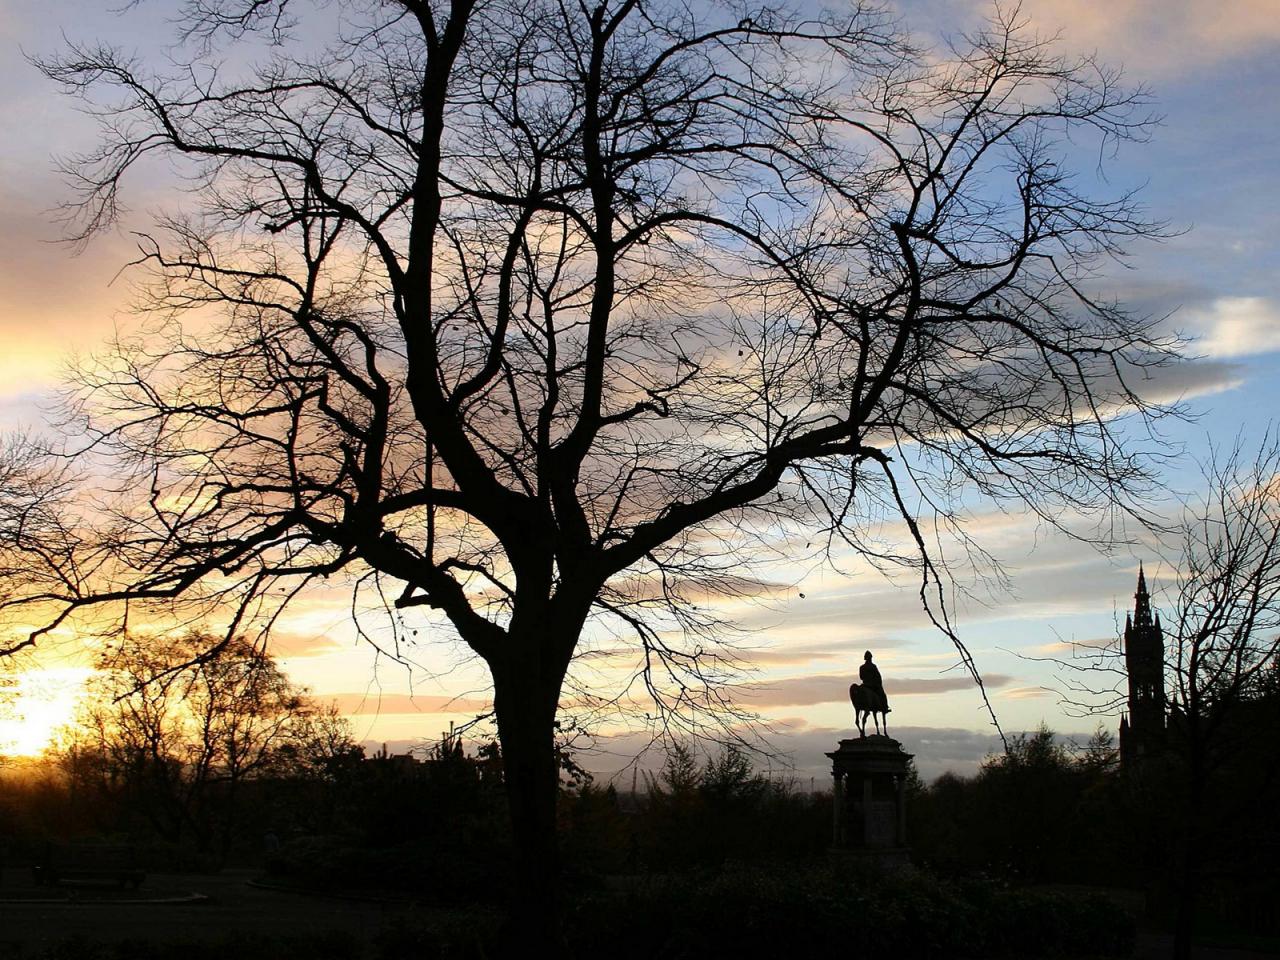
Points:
(1142, 731)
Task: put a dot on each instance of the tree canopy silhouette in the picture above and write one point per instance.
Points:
(177, 734)
(535, 312)
(1221, 650)
(1224, 647)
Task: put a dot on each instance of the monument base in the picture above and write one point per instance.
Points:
(871, 743)
(868, 800)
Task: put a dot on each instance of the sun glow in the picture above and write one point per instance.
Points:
(34, 704)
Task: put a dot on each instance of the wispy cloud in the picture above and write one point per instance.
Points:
(790, 656)
(367, 704)
(1026, 693)
(1151, 39)
(833, 688)
(287, 645)
(1067, 647)
(50, 301)
(1236, 326)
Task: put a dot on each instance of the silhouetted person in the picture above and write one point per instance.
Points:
(869, 674)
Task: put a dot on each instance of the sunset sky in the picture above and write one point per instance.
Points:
(1210, 170)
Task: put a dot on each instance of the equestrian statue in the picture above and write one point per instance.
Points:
(868, 697)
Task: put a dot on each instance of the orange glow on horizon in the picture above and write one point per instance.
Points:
(42, 702)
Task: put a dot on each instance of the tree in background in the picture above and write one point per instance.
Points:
(174, 733)
(705, 810)
(1223, 639)
(536, 314)
(1045, 810)
(1199, 794)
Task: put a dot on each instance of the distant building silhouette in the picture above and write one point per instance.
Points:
(1142, 729)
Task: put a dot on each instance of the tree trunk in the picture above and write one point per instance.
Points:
(525, 704)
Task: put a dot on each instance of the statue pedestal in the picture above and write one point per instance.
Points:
(869, 800)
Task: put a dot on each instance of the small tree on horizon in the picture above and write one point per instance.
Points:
(176, 733)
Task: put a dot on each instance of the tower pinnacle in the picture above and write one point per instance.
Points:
(1142, 602)
(1142, 733)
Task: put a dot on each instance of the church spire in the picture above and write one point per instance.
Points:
(1143, 729)
(1142, 601)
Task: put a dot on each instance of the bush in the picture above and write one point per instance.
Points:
(326, 947)
(756, 913)
(452, 938)
(414, 870)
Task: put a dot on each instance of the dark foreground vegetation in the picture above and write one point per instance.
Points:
(706, 858)
(1051, 849)
(737, 912)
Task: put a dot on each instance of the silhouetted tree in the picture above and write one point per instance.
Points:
(708, 809)
(679, 777)
(1045, 809)
(1100, 753)
(535, 312)
(730, 777)
(1030, 786)
(33, 489)
(1221, 637)
(1223, 640)
(176, 732)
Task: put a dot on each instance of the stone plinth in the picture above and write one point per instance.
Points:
(869, 800)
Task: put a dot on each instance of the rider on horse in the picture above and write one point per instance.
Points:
(869, 674)
(868, 698)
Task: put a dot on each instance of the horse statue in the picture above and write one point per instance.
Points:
(868, 701)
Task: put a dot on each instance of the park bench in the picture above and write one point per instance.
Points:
(88, 864)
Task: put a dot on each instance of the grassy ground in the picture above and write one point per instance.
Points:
(240, 921)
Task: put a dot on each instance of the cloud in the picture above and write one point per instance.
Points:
(287, 645)
(777, 655)
(790, 656)
(52, 301)
(828, 688)
(873, 609)
(1067, 647)
(1169, 36)
(1185, 380)
(609, 656)
(1236, 327)
(1050, 576)
(1151, 39)
(1025, 693)
(367, 704)
(910, 686)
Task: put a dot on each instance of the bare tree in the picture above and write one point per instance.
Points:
(1221, 641)
(538, 312)
(33, 492)
(1224, 640)
(179, 732)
